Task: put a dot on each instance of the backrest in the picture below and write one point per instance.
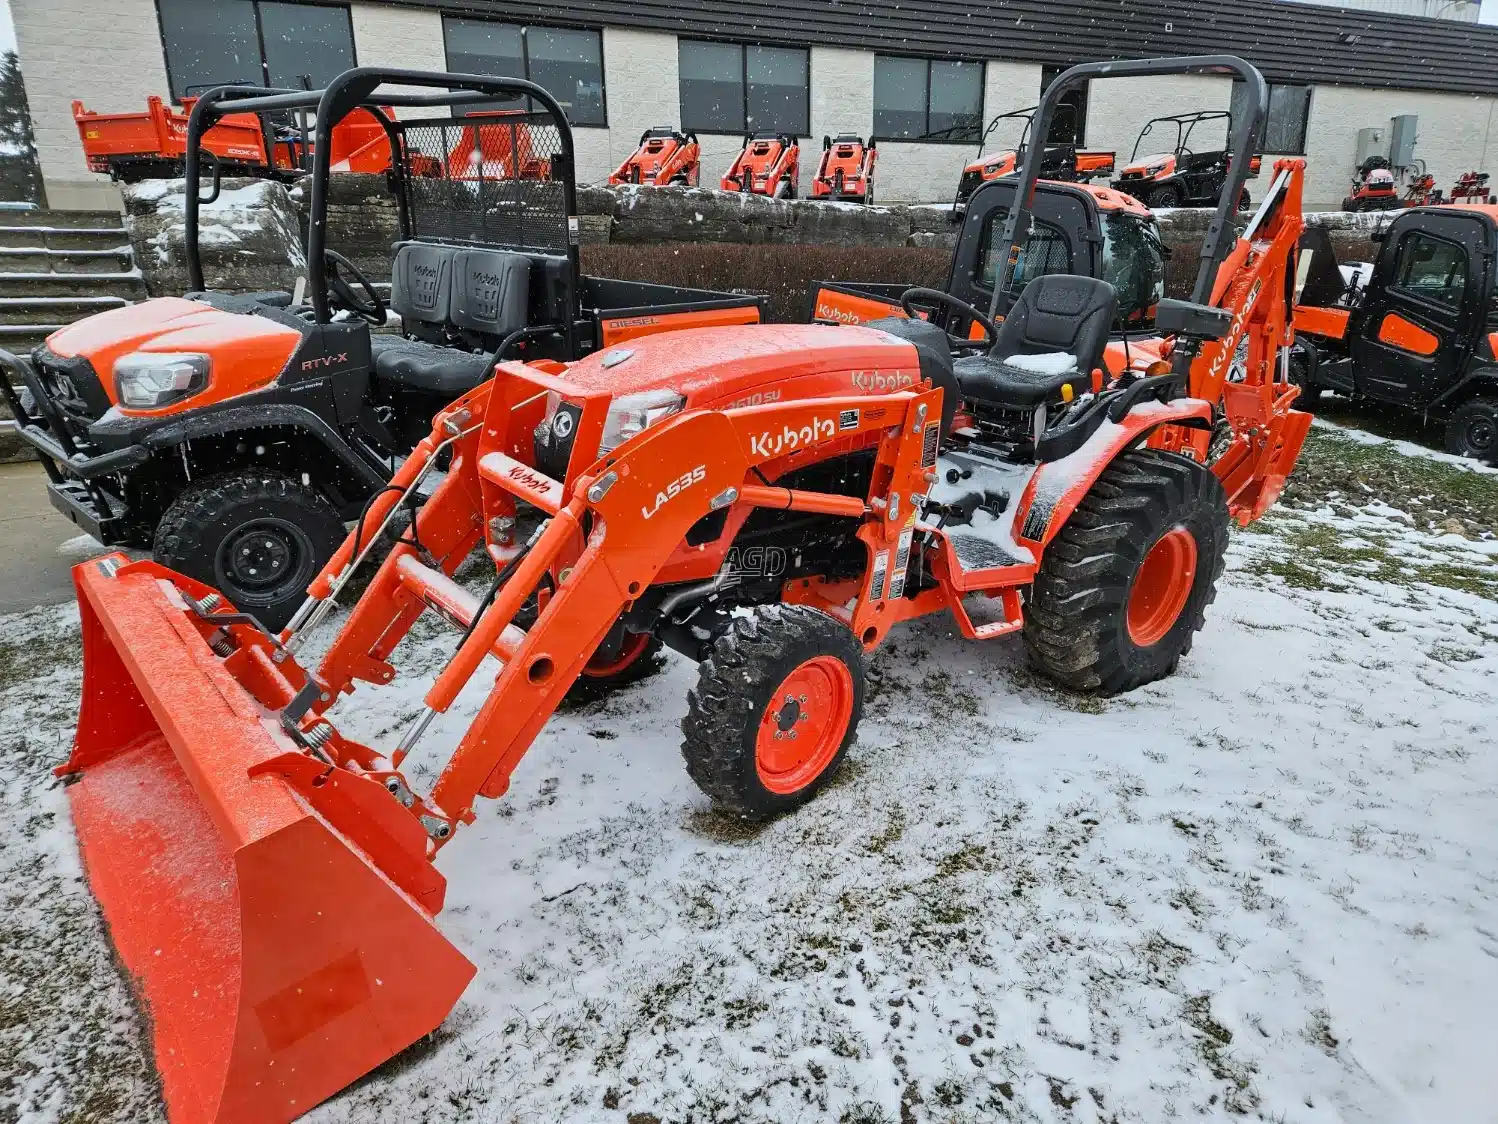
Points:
(421, 288)
(1059, 312)
(490, 293)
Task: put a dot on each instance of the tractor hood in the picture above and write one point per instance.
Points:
(244, 351)
(751, 365)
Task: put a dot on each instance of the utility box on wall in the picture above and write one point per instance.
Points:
(1371, 142)
(1402, 137)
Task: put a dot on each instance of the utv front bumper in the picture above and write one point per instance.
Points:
(78, 484)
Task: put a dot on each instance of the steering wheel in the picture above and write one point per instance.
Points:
(369, 307)
(991, 330)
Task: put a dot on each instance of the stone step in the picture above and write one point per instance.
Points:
(63, 237)
(23, 259)
(21, 339)
(74, 219)
(18, 284)
(62, 309)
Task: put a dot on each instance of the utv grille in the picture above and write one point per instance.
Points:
(969, 183)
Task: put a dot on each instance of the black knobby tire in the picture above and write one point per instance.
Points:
(1166, 197)
(1301, 376)
(256, 536)
(740, 681)
(1472, 431)
(1245, 201)
(1350, 205)
(598, 683)
(1077, 623)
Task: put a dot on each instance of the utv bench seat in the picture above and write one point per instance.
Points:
(402, 364)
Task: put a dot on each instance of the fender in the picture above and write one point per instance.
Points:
(1058, 486)
(1480, 378)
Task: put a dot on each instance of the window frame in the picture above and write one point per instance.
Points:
(525, 56)
(1261, 145)
(742, 46)
(1422, 296)
(929, 61)
(166, 59)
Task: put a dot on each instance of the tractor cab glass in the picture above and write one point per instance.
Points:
(1046, 252)
(1432, 269)
(1134, 264)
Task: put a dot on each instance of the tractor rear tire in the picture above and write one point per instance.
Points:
(257, 537)
(1124, 587)
(1472, 430)
(775, 708)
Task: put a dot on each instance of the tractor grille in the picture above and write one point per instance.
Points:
(489, 179)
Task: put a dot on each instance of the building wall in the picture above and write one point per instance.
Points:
(1463, 10)
(410, 38)
(1118, 108)
(109, 56)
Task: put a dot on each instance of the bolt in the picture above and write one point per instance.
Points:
(803, 698)
(793, 735)
(777, 735)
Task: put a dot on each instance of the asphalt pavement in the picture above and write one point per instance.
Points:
(35, 566)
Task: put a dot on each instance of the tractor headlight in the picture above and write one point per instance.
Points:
(632, 414)
(146, 380)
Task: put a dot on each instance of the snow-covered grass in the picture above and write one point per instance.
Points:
(1266, 888)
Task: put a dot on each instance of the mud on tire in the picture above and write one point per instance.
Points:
(256, 536)
(1078, 621)
(754, 685)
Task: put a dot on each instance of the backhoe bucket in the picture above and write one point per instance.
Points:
(274, 960)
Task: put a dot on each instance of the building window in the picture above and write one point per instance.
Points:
(567, 64)
(253, 43)
(927, 99)
(1069, 126)
(735, 88)
(1431, 269)
(1289, 112)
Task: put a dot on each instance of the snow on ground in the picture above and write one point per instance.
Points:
(1266, 888)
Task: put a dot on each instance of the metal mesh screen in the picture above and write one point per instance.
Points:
(494, 179)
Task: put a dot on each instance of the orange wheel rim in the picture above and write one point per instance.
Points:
(1162, 587)
(804, 724)
(633, 648)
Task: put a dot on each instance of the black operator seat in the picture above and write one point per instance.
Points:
(935, 351)
(450, 301)
(1055, 335)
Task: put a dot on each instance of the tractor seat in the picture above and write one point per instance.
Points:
(402, 364)
(1054, 335)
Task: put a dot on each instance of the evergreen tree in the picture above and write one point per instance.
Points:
(20, 177)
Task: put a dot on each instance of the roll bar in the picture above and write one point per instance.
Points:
(1218, 238)
(359, 88)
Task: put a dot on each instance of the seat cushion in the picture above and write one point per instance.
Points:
(1022, 382)
(402, 364)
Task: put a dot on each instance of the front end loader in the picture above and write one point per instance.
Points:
(769, 501)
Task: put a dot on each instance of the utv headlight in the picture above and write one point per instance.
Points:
(1154, 169)
(146, 380)
(632, 414)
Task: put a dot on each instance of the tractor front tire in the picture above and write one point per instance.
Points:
(1125, 586)
(775, 708)
(1472, 431)
(257, 537)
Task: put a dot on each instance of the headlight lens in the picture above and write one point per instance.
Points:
(631, 414)
(146, 380)
(1154, 169)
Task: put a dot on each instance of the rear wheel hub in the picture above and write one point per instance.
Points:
(1162, 587)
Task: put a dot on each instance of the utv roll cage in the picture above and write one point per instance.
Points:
(359, 89)
(1028, 117)
(1184, 124)
(1220, 235)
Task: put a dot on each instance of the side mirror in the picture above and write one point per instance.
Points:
(1195, 321)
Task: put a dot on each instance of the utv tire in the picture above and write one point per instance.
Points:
(1166, 197)
(258, 537)
(775, 708)
(1245, 201)
(1125, 586)
(1350, 204)
(1473, 430)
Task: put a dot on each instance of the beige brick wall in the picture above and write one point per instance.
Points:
(1117, 108)
(106, 54)
(409, 38)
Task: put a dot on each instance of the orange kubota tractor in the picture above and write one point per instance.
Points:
(271, 883)
(769, 164)
(846, 173)
(663, 157)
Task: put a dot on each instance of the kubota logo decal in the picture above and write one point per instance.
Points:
(1229, 342)
(881, 380)
(841, 315)
(788, 440)
(325, 362)
(528, 479)
(675, 488)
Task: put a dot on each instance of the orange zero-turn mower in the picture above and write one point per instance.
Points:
(270, 882)
(663, 157)
(846, 173)
(769, 164)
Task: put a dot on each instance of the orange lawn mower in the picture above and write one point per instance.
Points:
(270, 883)
(846, 173)
(664, 157)
(769, 164)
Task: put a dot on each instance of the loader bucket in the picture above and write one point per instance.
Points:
(274, 961)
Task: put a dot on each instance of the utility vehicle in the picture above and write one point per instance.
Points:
(237, 434)
(1173, 174)
(1064, 162)
(269, 882)
(1419, 332)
